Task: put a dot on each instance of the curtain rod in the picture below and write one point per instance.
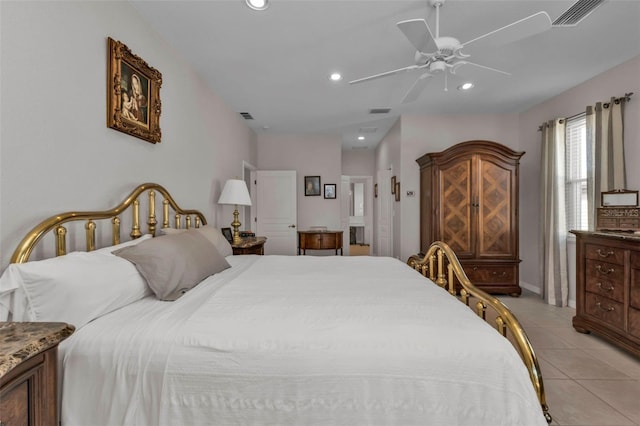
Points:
(626, 98)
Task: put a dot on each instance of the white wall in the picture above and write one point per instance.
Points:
(617, 81)
(359, 162)
(308, 155)
(415, 135)
(56, 153)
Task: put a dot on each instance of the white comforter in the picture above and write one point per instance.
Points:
(301, 340)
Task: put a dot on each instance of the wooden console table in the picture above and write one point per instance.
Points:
(319, 240)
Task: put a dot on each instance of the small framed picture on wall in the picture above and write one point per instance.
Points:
(311, 185)
(329, 190)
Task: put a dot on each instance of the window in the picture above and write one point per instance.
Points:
(576, 173)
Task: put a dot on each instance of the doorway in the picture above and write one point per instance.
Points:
(359, 214)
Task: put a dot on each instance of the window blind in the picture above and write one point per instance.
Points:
(576, 173)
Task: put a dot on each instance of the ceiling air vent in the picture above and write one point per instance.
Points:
(246, 115)
(576, 13)
(379, 110)
(367, 130)
(359, 147)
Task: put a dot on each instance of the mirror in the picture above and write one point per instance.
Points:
(356, 192)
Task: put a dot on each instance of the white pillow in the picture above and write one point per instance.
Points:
(213, 234)
(75, 288)
(111, 249)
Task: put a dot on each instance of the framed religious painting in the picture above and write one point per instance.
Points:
(133, 94)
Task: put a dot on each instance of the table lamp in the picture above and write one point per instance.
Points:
(235, 192)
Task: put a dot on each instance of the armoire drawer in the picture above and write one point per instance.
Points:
(605, 309)
(490, 274)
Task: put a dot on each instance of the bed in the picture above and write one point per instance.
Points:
(279, 340)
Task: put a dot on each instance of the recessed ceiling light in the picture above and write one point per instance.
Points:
(360, 138)
(336, 76)
(465, 86)
(257, 4)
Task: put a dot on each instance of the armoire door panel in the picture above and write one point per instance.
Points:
(495, 210)
(456, 212)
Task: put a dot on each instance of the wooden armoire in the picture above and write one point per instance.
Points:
(469, 200)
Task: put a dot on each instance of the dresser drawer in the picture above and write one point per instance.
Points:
(606, 286)
(607, 310)
(600, 270)
(14, 405)
(634, 285)
(488, 274)
(634, 322)
(605, 253)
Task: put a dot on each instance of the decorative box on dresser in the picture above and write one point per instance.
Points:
(469, 200)
(608, 287)
(29, 371)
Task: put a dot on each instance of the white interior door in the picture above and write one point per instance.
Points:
(384, 214)
(276, 210)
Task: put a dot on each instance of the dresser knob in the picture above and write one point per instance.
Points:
(603, 272)
(608, 309)
(605, 254)
(599, 285)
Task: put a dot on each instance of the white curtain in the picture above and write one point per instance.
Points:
(553, 236)
(605, 143)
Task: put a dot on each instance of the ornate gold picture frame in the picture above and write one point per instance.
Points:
(133, 94)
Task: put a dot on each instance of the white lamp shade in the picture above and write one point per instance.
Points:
(235, 192)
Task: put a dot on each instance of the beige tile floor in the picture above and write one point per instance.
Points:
(587, 380)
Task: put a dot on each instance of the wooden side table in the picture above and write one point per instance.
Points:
(252, 245)
(319, 240)
(29, 371)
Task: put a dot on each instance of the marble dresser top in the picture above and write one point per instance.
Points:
(21, 340)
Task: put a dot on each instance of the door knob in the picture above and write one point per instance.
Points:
(292, 226)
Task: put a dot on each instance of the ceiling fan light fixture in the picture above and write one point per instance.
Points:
(257, 4)
(465, 86)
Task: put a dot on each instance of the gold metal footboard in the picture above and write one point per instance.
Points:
(441, 265)
(54, 223)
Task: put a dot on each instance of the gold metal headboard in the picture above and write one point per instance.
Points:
(441, 265)
(54, 223)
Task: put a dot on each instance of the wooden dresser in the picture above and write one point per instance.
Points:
(469, 200)
(29, 371)
(608, 287)
(319, 240)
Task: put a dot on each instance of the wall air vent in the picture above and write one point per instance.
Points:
(246, 115)
(359, 147)
(379, 110)
(576, 13)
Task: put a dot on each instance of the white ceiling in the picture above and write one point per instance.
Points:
(275, 64)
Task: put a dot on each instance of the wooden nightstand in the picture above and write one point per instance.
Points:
(253, 245)
(29, 371)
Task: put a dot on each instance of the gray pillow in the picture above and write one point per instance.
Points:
(173, 264)
(213, 234)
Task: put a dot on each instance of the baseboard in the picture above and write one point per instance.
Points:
(572, 303)
(532, 288)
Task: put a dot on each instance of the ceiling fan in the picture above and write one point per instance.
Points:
(436, 54)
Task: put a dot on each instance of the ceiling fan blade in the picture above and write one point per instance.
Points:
(515, 31)
(417, 88)
(419, 34)
(384, 74)
(455, 66)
